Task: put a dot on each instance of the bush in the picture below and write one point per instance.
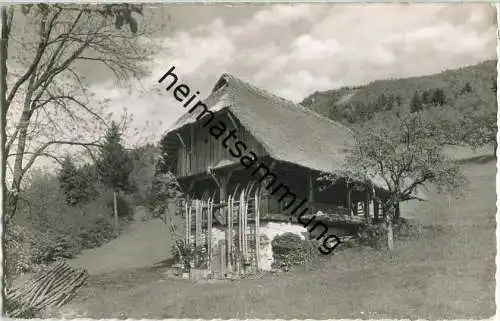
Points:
(373, 235)
(407, 229)
(165, 195)
(186, 254)
(17, 252)
(45, 228)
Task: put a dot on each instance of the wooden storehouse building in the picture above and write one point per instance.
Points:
(295, 143)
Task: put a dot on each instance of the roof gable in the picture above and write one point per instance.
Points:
(288, 131)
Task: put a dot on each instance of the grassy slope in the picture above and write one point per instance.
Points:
(447, 273)
(479, 76)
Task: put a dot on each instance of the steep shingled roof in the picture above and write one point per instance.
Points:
(289, 132)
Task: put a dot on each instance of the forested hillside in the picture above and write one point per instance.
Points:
(463, 88)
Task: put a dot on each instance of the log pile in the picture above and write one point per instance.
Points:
(53, 287)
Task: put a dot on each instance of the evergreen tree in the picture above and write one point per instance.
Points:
(416, 103)
(114, 165)
(399, 100)
(88, 180)
(380, 103)
(426, 97)
(68, 180)
(390, 102)
(439, 97)
(77, 183)
(467, 88)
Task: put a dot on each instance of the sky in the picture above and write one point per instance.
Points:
(295, 50)
(291, 51)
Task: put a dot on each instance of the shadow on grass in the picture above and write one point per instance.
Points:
(162, 264)
(482, 159)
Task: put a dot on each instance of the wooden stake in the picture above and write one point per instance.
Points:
(189, 223)
(197, 223)
(115, 207)
(349, 201)
(366, 204)
(229, 231)
(240, 225)
(186, 221)
(223, 262)
(209, 234)
(257, 230)
(245, 235)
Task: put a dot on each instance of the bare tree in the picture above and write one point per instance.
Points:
(3, 134)
(46, 93)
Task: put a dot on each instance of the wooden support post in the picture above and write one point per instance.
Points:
(240, 225)
(366, 203)
(192, 165)
(397, 212)
(209, 233)
(186, 222)
(229, 232)
(222, 191)
(222, 257)
(349, 201)
(257, 231)
(311, 185)
(245, 224)
(265, 202)
(190, 187)
(239, 252)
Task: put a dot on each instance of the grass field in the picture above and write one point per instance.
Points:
(446, 273)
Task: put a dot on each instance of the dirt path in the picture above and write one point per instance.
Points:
(143, 243)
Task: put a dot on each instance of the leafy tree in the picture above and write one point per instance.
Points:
(438, 97)
(46, 96)
(114, 165)
(467, 88)
(380, 104)
(470, 121)
(426, 97)
(400, 154)
(165, 191)
(145, 159)
(391, 101)
(416, 103)
(399, 100)
(479, 128)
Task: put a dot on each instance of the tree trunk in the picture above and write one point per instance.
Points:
(495, 146)
(390, 235)
(397, 212)
(3, 124)
(115, 207)
(389, 211)
(389, 208)
(18, 163)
